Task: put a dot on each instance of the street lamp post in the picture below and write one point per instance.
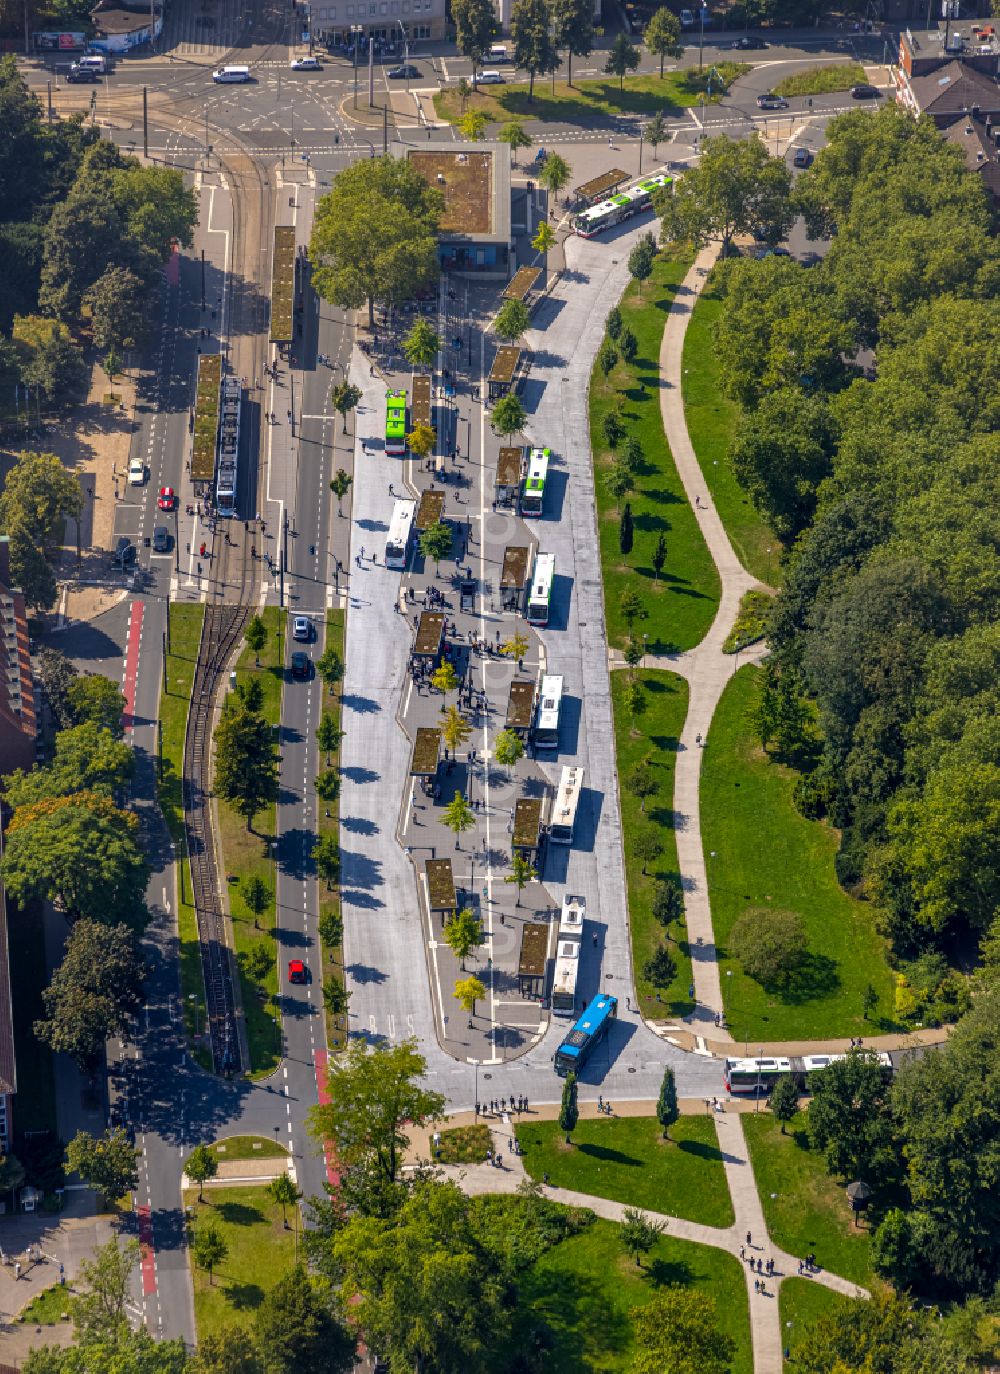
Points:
(701, 37)
(357, 30)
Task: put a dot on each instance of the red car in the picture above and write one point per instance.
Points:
(166, 499)
(297, 971)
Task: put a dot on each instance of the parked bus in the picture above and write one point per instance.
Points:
(397, 544)
(541, 589)
(563, 1000)
(546, 732)
(589, 1031)
(395, 423)
(756, 1077)
(564, 808)
(632, 201)
(533, 492)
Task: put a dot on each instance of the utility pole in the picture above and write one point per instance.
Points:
(145, 122)
(385, 129)
(701, 36)
(203, 279)
(371, 72)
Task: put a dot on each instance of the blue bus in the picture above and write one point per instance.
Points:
(591, 1028)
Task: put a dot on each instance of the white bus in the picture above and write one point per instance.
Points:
(541, 589)
(574, 913)
(533, 492)
(564, 978)
(632, 201)
(546, 733)
(565, 806)
(397, 544)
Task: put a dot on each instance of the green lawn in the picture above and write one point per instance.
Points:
(36, 1090)
(759, 851)
(248, 1147)
(586, 1287)
(247, 853)
(681, 603)
(185, 636)
(48, 1307)
(712, 421)
(585, 99)
(810, 1211)
(261, 1252)
(832, 76)
(802, 1302)
(464, 1145)
(627, 1159)
(653, 736)
(332, 961)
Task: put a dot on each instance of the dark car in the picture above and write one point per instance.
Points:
(865, 92)
(406, 71)
(772, 102)
(802, 157)
(748, 42)
(76, 74)
(161, 539)
(125, 552)
(301, 664)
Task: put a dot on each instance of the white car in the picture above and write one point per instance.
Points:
(136, 472)
(306, 64)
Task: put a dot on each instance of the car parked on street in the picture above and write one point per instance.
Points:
(748, 43)
(864, 91)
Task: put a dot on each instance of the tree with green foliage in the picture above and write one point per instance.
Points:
(508, 749)
(255, 637)
(285, 1194)
(667, 1110)
(340, 485)
(462, 934)
(634, 653)
(473, 125)
(421, 344)
(784, 1100)
(97, 700)
(327, 784)
(513, 133)
(678, 1331)
(668, 902)
(422, 440)
(39, 495)
(202, 1164)
(626, 529)
(545, 239)
(511, 321)
(638, 1233)
(642, 782)
(569, 1110)
(522, 872)
(662, 37)
(656, 131)
(869, 1001)
(659, 556)
(607, 360)
(326, 857)
(12, 1173)
(435, 543)
(329, 735)
(450, 1303)
(770, 944)
(118, 303)
(534, 49)
(554, 174)
(87, 758)
(632, 607)
(375, 235)
(475, 29)
(781, 454)
(849, 1118)
(647, 847)
(228, 1350)
(469, 991)
(614, 323)
(344, 397)
(80, 852)
(619, 481)
(640, 264)
(509, 415)
(210, 1248)
(628, 346)
(634, 700)
(31, 572)
(95, 991)
(661, 968)
(298, 1327)
(463, 90)
(623, 57)
(246, 763)
(459, 817)
(444, 678)
(736, 188)
(455, 729)
(613, 430)
(104, 1289)
(331, 929)
(573, 30)
(107, 1163)
(377, 1093)
(330, 667)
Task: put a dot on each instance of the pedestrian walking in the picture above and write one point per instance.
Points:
(477, 1109)
(756, 1285)
(362, 550)
(391, 492)
(545, 1179)
(743, 1253)
(749, 1241)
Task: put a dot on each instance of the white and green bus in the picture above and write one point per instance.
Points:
(632, 201)
(395, 423)
(533, 491)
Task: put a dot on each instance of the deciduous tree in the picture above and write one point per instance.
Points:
(462, 934)
(459, 817)
(554, 173)
(534, 50)
(573, 30)
(736, 188)
(522, 872)
(435, 543)
(509, 415)
(475, 29)
(340, 485)
(96, 699)
(513, 133)
(647, 847)
(326, 857)
(345, 397)
(201, 1165)
(285, 1194)
(210, 1248)
(106, 1163)
(784, 1100)
(511, 321)
(678, 1331)
(662, 38)
(246, 763)
(639, 1233)
(508, 749)
(770, 944)
(667, 1110)
(468, 991)
(569, 1111)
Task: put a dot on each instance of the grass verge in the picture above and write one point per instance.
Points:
(585, 1289)
(332, 956)
(680, 604)
(651, 737)
(627, 1159)
(185, 623)
(248, 1147)
(802, 1303)
(805, 1209)
(48, 1307)
(587, 99)
(761, 852)
(833, 76)
(712, 420)
(464, 1145)
(36, 1087)
(260, 1252)
(248, 854)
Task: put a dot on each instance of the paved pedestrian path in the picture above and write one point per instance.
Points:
(746, 1239)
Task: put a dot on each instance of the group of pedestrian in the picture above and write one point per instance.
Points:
(497, 1106)
(808, 1265)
